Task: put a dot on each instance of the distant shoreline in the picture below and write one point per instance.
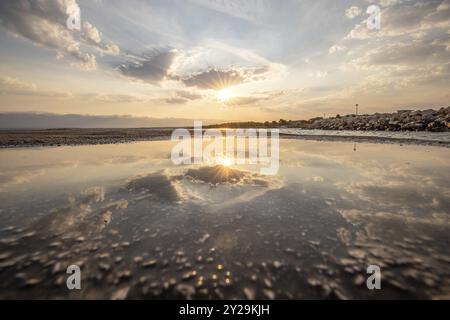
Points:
(78, 137)
(431, 120)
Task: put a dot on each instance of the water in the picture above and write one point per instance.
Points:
(410, 135)
(140, 227)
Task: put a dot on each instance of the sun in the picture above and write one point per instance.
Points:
(225, 161)
(224, 95)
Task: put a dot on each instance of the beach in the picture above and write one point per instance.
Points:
(76, 137)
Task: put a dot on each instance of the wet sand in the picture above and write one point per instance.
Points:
(77, 137)
(141, 228)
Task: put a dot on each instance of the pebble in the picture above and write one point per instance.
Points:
(358, 280)
(204, 238)
(33, 281)
(57, 267)
(104, 255)
(186, 290)
(277, 264)
(249, 293)
(267, 283)
(149, 263)
(357, 253)
(120, 294)
(5, 255)
(188, 275)
(123, 275)
(269, 294)
(104, 266)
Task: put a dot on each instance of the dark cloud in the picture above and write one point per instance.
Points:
(217, 79)
(214, 79)
(151, 68)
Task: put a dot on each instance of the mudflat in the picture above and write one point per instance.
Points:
(99, 136)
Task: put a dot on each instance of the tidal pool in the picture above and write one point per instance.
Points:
(141, 228)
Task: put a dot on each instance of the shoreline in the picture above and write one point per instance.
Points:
(79, 137)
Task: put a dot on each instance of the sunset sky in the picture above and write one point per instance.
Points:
(226, 60)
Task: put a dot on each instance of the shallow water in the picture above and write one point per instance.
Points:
(410, 135)
(140, 227)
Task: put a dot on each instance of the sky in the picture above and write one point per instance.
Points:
(235, 60)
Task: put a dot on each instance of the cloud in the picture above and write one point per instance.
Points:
(43, 22)
(353, 12)
(175, 101)
(407, 19)
(240, 101)
(336, 48)
(408, 53)
(14, 86)
(93, 36)
(214, 79)
(217, 79)
(118, 98)
(10, 85)
(189, 95)
(150, 68)
(254, 99)
(252, 11)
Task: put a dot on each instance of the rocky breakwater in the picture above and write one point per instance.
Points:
(403, 120)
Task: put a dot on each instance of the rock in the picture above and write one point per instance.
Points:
(55, 244)
(204, 238)
(149, 263)
(120, 294)
(5, 255)
(185, 290)
(267, 283)
(358, 280)
(57, 267)
(189, 275)
(104, 266)
(124, 275)
(269, 294)
(277, 264)
(430, 120)
(104, 255)
(32, 281)
(249, 293)
(138, 259)
(357, 253)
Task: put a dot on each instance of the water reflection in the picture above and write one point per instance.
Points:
(140, 227)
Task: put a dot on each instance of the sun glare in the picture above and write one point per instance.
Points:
(224, 95)
(225, 161)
